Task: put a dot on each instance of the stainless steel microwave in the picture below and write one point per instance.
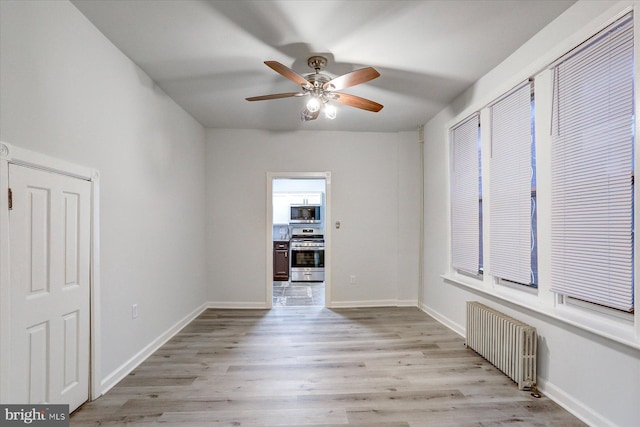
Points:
(305, 214)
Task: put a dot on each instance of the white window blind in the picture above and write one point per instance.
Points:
(591, 171)
(510, 207)
(465, 234)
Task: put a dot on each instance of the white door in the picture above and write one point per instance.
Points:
(49, 233)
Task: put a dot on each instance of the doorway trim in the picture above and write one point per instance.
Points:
(326, 175)
(10, 154)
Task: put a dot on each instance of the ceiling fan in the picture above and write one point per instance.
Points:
(322, 88)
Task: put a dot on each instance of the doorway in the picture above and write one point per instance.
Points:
(298, 239)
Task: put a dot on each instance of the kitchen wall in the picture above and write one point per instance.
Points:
(67, 92)
(596, 378)
(374, 194)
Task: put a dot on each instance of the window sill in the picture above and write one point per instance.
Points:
(618, 331)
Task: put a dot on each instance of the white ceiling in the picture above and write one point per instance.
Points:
(208, 55)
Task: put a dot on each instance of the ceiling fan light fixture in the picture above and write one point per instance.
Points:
(330, 111)
(306, 115)
(313, 105)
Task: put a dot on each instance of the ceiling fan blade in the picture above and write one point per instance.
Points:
(351, 79)
(356, 101)
(287, 72)
(275, 96)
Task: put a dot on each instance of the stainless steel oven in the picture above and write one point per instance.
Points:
(307, 255)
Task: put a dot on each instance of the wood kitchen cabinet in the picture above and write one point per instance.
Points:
(281, 261)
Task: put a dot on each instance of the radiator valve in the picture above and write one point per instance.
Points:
(534, 391)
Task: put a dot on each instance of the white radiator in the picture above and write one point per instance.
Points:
(506, 343)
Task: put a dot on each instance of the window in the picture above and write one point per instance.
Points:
(512, 209)
(466, 196)
(592, 171)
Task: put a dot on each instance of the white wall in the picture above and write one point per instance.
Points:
(375, 196)
(284, 185)
(66, 91)
(595, 377)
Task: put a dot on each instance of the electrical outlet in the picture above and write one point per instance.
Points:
(134, 311)
(352, 280)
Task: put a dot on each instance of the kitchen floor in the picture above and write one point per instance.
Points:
(298, 294)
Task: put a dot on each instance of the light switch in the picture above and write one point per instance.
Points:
(337, 224)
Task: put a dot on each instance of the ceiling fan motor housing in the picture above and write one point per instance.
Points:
(317, 62)
(317, 79)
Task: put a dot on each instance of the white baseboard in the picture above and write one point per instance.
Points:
(335, 304)
(238, 305)
(126, 368)
(370, 303)
(575, 407)
(455, 327)
(407, 303)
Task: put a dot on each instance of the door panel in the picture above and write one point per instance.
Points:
(71, 349)
(38, 240)
(71, 242)
(38, 340)
(49, 244)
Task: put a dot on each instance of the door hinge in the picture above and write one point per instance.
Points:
(10, 199)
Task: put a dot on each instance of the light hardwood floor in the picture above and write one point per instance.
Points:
(313, 366)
